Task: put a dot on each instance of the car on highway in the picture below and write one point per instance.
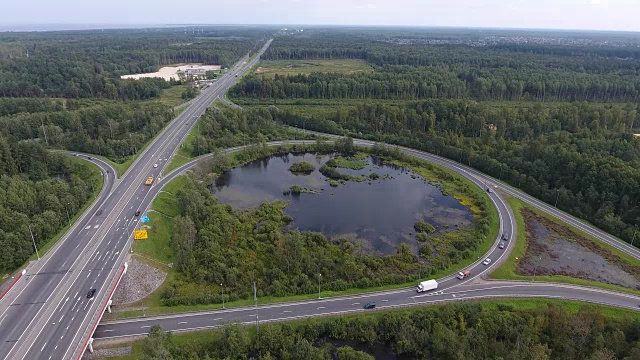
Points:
(463, 274)
(138, 213)
(89, 157)
(486, 262)
(91, 293)
(155, 165)
(501, 246)
(489, 190)
(370, 305)
(99, 212)
(505, 236)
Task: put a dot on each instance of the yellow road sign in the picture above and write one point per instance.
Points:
(140, 234)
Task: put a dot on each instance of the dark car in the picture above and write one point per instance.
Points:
(90, 293)
(138, 213)
(99, 212)
(505, 236)
(89, 157)
(370, 305)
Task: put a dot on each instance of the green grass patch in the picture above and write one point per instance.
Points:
(172, 96)
(294, 67)
(507, 269)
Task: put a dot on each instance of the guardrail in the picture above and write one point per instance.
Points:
(102, 309)
(13, 283)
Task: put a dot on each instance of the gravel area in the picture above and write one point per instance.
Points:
(556, 250)
(104, 353)
(139, 281)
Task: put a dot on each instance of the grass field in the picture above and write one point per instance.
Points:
(200, 339)
(507, 269)
(294, 67)
(95, 177)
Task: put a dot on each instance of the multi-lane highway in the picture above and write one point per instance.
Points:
(48, 315)
(450, 288)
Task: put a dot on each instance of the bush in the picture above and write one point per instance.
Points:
(302, 167)
(422, 226)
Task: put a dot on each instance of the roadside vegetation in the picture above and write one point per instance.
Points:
(473, 330)
(43, 192)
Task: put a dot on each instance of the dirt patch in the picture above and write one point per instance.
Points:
(553, 249)
(140, 281)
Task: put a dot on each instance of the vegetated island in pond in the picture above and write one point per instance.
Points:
(302, 168)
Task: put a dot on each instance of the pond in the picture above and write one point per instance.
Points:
(382, 212)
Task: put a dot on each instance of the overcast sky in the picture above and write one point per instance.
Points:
(554, 14)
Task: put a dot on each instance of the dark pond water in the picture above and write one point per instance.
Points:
(383, 212)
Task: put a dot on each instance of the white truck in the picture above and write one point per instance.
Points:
(427, 285)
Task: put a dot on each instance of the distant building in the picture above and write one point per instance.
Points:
(195, 71)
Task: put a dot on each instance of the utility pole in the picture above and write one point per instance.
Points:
(45, 134)
(34, 242)
(255, 298)
(319, 277)
(634, 235)
(557, 196)
(222, 295)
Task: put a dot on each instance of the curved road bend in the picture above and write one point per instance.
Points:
(450, 288)
(49, 314)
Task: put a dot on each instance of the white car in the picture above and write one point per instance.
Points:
(155, 165)
(486, 262)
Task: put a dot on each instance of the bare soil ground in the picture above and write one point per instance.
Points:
(556, 250)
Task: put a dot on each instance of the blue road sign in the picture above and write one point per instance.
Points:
(145, 219)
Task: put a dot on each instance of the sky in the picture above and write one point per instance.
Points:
(621, 15)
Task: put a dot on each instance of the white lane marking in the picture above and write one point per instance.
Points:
(146, 326)
(108, 330)
(321, 307)
(216, 319)
(355, 304)
(76, 295)
(286, 311)
(385, 300)
(45, 344)
(61, 318)
(182, 322)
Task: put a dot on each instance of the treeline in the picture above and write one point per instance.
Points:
(225, 127)
(455, 331)
(579, 155)
(40, 189)
(214, 243)
(112, 129)
(89, 63)
(411, 83)
(418, 70)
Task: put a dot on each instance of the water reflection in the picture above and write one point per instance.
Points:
(382, 212)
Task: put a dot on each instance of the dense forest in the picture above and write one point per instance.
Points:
(89, 63)
(420, 71)
(521, 111)
(41, 189)
(456, 331)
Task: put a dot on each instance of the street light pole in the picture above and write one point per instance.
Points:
(319, 277)
(34, 242)
(222, 295)
(634, 235)
(68, 218)
(557, 196)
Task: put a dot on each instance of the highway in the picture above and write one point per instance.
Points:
(450, 288)
(49, 312)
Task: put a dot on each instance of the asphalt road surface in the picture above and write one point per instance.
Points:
(48, 315)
